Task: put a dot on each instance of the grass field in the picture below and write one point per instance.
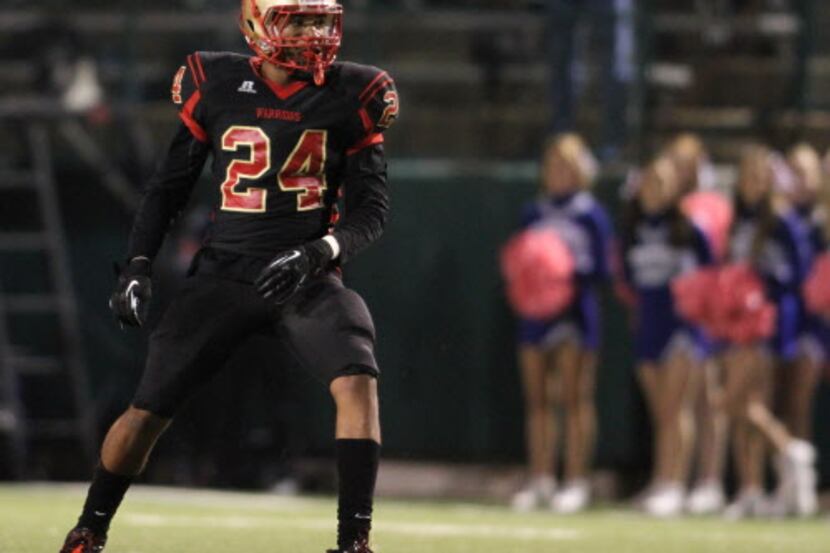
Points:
(34, 518)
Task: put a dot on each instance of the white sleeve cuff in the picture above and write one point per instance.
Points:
(333, 244)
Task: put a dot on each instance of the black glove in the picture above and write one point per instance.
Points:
(130, 301)
(287, 272)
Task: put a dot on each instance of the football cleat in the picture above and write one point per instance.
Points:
(276, 31)
(360, 546)
(83, 540)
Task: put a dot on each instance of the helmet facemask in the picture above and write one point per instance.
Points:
(302, 36)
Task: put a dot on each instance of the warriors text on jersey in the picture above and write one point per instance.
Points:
(281, 156)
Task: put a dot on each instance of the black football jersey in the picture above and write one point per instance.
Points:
(279, 152)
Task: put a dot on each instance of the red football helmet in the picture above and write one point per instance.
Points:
(271, 29)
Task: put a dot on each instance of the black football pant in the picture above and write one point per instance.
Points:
(325, 326)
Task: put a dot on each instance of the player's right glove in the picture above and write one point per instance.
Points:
(130, 301)
(287, 272)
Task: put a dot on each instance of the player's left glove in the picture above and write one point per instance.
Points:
(287, 272)
(130, 301)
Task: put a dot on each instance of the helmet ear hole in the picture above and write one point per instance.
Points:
(251, 25)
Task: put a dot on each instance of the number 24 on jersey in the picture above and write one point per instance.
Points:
(303, 172)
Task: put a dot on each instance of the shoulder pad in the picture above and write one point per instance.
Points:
(186, 81)
(201, 68)
(192, 80)
(375, 91)
(217, 65)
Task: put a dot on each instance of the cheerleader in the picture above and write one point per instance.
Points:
(800, 378)
(660, 244)
(821, 241)
(558, 355)
(711, 212)
(767, 235)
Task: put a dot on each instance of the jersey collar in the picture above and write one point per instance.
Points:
(282, 91)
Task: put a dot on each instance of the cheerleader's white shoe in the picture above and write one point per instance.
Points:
(706, 498)
(535, 495)
(666, 501)
(574, 496)
(796, 495)
(750, 503)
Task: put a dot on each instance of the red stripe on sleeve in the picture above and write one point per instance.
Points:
(195, 129)
(199, 66)
(370, 140)
(368, 125)
(193, 74)
(190, 105)
(375, 89)
(368, 88)
(186, 115)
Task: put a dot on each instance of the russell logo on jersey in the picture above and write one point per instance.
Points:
(247, 86)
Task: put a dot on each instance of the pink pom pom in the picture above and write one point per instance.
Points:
(737, 309)
(766, 320)
(691, 293)
(538, 268)
(713, 214)
(817, 287)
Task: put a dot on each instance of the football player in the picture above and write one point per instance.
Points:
(288, 129)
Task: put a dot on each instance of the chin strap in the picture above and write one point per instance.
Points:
(319, 74)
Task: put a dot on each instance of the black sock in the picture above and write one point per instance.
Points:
(357, 469)
(104, 496)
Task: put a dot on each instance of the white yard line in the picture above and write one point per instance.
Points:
(523, 533)
(181, 495)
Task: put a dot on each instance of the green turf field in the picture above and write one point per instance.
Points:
(34, 518)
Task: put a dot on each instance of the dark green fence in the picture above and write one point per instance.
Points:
(447, 338)
(450, 387)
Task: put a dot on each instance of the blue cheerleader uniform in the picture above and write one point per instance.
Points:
(783, 264)
(584, 226)
(650, 263)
